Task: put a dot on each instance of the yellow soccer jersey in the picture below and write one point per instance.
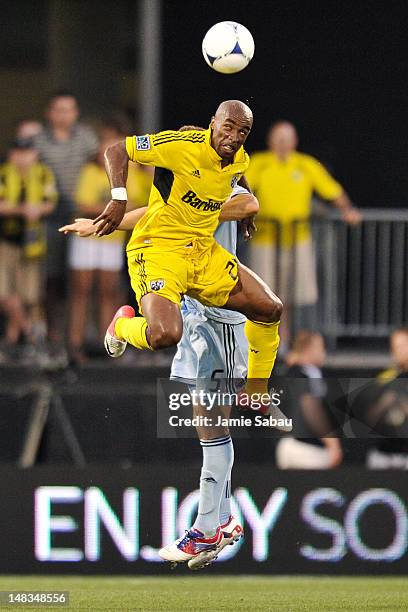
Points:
(189, 186)
(284, 190)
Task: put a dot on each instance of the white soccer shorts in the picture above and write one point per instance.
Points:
(95, 254)
(210, 350)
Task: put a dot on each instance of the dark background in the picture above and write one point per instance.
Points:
(338, 70)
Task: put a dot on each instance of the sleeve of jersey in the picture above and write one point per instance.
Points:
(323, 183)
(161, 149)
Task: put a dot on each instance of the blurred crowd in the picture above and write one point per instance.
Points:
(53, 172)
(58, 293)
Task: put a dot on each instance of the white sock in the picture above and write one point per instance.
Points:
(218, 457)
(225, 506)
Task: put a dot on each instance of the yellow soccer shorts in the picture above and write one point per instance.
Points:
(205, 272)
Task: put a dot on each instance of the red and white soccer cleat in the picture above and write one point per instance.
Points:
(232, 532)
(115, 347)
(190, 546)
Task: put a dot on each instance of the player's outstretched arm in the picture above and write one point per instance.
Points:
(81, 227)
(239, 207)
(116, 165)
(86, 227)
(131, 218)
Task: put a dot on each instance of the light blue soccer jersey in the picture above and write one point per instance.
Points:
(226, 236)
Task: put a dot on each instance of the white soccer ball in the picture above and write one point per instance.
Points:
(228, 47)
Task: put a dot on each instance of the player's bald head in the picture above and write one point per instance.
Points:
(230, 127)
(234, 109)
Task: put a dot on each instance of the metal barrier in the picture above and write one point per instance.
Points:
(362, 270)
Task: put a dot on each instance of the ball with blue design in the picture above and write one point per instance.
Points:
(228, 47)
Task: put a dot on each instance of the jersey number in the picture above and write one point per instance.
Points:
(231, 266)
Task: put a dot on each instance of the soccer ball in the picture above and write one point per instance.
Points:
(228, 47)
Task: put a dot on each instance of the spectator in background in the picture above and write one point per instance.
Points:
(115, 126)
(27, 130)
(98, 260)
(65, 145)
(313, 447)
(399, 356)
(27, 196)
(384, 408)
(281, 251)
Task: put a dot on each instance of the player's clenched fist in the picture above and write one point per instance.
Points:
(111, 217)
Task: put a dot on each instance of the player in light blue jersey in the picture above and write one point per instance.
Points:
(213, 346)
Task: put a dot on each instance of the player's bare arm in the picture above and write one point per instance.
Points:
(116, 164)
(84, 227)
(248, 226)
(239, 207)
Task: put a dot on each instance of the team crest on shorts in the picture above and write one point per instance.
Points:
(234, 181)
(156, 285)
(142, 143)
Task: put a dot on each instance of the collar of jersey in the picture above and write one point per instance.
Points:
(213, 153)
(290, 159)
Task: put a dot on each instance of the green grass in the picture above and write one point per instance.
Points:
(191, 593)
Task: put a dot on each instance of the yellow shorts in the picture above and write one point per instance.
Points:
(205, 272)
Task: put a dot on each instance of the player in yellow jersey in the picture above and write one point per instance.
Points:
(172, 250)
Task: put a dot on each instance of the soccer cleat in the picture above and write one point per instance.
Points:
(192, 544)
(115, 347)
(232, 532)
